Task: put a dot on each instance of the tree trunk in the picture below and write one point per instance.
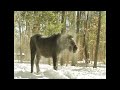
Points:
(36, 25)
(97, 41)
(78, 26)
(63, 22)
(63, 31)
(78, 22)
(28, 32)
(92, 58)
(86, 39)
(20, 42)
(74, 61)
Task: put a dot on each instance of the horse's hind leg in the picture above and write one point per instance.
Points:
(33, 52)
(37, 62)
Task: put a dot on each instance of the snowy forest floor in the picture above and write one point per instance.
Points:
(22, 71)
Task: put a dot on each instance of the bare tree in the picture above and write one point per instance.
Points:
(78, 21)
(85, 38)
(97, 41)
(62, 21)
(63, 31)
(19, 23)
(73, 63)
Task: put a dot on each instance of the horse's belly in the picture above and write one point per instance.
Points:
(46, 54)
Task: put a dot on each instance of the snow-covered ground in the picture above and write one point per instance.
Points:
(22, 71)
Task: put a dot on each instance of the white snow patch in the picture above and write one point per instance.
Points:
(22, 71)
(53, 74)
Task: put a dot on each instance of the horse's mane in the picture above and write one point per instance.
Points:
(52, 36)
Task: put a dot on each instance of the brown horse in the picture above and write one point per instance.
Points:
(50, 47)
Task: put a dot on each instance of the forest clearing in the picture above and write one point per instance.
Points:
(59, 44)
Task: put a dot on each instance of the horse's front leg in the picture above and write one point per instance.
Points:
(55, 62)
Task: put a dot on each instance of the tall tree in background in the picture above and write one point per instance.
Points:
(36, 25)
(97, 40)
(63, 31)
(74, 61)
(63, 22)
(19, 23)
(85, 37)
(78, 21)
(78, 27)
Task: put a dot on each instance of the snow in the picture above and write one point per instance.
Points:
(22, 71)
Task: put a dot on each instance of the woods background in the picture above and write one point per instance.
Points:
(87, 27)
